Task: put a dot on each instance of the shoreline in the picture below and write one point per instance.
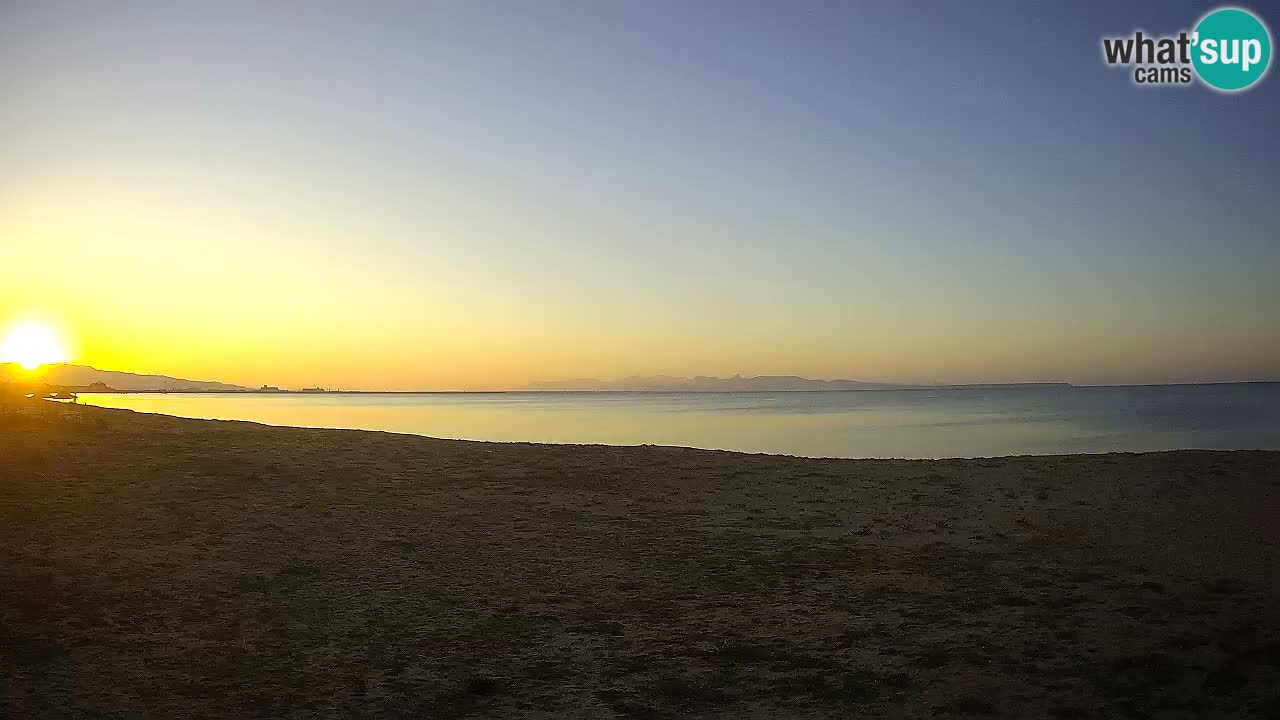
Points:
(928, 426)
(691, 448)
(169, 566)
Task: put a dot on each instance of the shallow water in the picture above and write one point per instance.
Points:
(898, 423)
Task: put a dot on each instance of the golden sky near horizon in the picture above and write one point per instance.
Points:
(205, 309)
(211, 296)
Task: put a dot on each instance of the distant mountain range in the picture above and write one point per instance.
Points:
(84, 376)
(703, 383)
(737, 383)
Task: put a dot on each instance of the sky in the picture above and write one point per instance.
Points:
(476, 195)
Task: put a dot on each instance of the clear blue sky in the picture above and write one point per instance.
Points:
(480, 194)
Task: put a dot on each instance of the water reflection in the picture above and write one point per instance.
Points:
(916, 424)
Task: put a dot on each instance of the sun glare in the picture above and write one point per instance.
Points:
(32, 345)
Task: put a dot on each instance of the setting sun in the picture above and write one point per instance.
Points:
(32, 345)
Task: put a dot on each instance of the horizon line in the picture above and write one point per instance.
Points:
(901, 388)
(867, 385)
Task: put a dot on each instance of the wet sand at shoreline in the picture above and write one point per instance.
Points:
(165, 567)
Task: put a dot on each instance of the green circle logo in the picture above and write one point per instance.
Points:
(1231, 49)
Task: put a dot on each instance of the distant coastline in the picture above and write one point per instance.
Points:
(904, 388)
(85, 379)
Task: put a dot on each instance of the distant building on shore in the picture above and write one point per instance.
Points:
(268, 388)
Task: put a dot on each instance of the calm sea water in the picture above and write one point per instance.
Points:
(902, 423)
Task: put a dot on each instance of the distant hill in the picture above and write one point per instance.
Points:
(738, 383)
(83, 376)
(703, 383)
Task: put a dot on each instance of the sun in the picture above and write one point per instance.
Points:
(32, 345)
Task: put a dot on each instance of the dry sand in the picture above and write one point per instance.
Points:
(158, 567)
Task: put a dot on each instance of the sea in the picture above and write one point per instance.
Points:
(939, 423)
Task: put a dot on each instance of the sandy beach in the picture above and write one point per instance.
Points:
(160, 567)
